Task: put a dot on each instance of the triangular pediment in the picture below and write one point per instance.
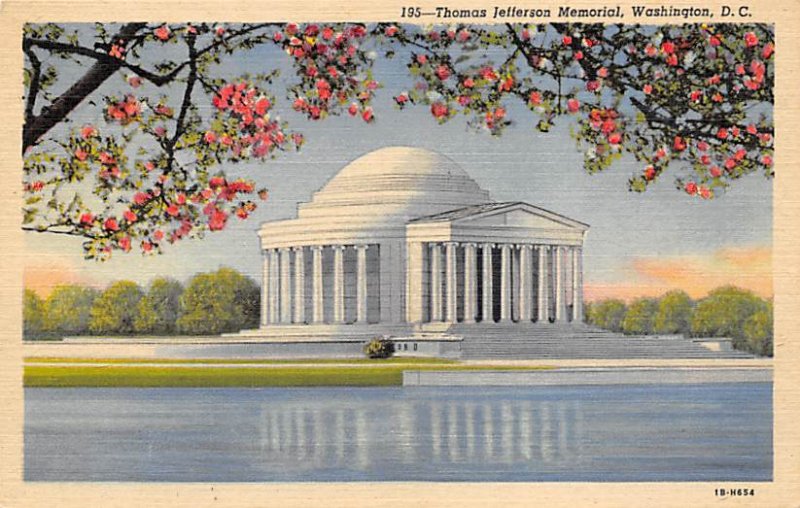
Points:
(522, 215)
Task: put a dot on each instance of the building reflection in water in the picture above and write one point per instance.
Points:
(298, 436)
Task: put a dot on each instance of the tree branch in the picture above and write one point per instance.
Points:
(36, 126)
(33, 89)
(104, 67)
(105, 59)
(186, 103)
(49, 229)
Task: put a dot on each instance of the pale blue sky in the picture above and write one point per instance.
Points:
(521, 165)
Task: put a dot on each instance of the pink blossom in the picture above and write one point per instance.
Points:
(442, 72)
(217, 220)
(162, 33)
(88, 131)
(141, 198)
(111, 224)
(438, 110)
(573, 105)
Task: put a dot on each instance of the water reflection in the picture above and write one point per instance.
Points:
(351, 436)
(709, 432)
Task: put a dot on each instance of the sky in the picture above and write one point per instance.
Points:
(638, 244)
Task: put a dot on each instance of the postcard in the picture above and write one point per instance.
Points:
(399, 254)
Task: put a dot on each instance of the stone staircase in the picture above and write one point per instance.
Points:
(569, 341)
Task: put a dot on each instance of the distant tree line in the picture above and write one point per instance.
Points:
(727, 311)
(211, 303)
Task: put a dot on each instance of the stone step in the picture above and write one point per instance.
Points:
(560, 341)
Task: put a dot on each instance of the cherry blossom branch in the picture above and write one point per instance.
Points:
(52, 115)
(104, 67)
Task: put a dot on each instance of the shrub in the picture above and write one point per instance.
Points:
(607, 314)
(66, 310)
(219, 302)
(758, 332)
(674, 314)
(158, 310)
(32, 314)
(723, 314)
(639, 316)
(587, 311)
(115, 309)
(379, 348)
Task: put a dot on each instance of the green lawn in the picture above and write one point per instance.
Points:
(389, 361)
(55, 376)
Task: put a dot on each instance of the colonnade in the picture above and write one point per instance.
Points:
(552, 267)
(283, 298)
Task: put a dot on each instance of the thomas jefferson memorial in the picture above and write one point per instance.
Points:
(403, 244)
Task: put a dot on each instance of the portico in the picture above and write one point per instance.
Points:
(476, 265)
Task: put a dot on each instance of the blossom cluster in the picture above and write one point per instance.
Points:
(244, 126)
(329, 60)
(123, 111)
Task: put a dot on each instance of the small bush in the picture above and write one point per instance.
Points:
(639, 316)
(379, 348)
(607, 314)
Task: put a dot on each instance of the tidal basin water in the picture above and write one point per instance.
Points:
(576, 433)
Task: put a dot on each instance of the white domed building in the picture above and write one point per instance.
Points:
(403, 243)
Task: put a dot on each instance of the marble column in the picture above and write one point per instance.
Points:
(299, 286)
(505, 282)
(416, 282)
(561, 304)
(516, 272)
(451, 284)
(543, 300)
(318, 304)
(577, 285)
(470, 283)
(361, 284)
(488, 304)
(265, 278)
(286, 286)
(338, 283)
(436, 282)
(525, 278)
(274, 287)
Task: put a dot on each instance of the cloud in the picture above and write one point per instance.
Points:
(44, 275)
(697, 274)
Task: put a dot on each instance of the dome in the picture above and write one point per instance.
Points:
(397, 161)
(395, 184)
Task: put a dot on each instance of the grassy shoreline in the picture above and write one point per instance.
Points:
(230, 375)
(234, 361)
